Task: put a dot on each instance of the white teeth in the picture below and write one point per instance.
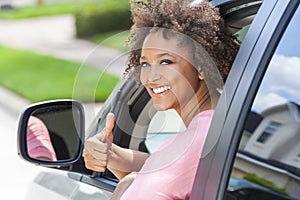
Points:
(161, 89)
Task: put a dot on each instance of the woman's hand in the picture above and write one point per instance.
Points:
(101, 154)
(97, 148)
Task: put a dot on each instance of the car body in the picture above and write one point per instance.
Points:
(252, 148)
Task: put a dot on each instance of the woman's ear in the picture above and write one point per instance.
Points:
(201, 77)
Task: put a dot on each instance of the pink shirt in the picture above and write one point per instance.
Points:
(38, 140)
(169, 172)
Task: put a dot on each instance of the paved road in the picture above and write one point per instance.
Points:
(15, 173)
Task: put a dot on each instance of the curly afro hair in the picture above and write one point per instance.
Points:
(201, 23)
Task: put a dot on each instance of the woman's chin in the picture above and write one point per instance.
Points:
(161, 107)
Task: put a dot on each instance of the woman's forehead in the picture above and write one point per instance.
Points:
(157, 41)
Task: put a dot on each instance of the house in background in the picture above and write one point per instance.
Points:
(270, 147)
(254, 119)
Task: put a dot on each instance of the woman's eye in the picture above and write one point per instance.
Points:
(166, 62)
(145, 64)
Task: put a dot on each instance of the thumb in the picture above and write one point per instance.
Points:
(109, 125)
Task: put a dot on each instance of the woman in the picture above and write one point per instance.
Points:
(182, 54)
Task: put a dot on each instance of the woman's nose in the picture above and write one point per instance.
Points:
(153, 73)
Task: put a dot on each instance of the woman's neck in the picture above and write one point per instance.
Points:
(200, 102)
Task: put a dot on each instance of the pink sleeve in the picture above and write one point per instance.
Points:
(38, 140)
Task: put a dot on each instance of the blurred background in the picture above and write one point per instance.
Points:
(52, 49)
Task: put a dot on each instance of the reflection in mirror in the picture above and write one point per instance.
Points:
(39, 141)
(52, 133)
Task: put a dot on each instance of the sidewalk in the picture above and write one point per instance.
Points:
(12, 103)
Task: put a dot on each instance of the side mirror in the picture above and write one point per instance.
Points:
(50, 133)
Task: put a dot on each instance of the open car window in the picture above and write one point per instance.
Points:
(163, 126)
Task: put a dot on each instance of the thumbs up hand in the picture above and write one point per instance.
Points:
(97, 148)
(109, 125)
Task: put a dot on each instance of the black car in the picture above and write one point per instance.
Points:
(252, 150)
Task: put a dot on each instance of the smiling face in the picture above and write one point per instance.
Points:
(167, 72)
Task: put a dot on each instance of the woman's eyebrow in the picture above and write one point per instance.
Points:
(143, 58)
(158, 56)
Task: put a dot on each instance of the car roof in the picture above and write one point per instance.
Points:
(236, 13)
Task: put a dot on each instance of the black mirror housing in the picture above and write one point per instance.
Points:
(51, 133)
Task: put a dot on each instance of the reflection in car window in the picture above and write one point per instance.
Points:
(267, 164)
(269, 131)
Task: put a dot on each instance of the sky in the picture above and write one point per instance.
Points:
(281, 83)
(290, 45)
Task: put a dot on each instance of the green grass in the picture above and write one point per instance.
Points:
(114, 40)
(39, 77)
(264, 182)
(44, 10)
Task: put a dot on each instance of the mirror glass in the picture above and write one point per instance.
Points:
(52, 133)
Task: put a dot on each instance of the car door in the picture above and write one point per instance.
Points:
(258, 112)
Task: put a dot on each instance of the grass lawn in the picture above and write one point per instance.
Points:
(44, 10)
(39, 77)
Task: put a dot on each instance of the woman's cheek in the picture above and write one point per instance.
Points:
(143, 76)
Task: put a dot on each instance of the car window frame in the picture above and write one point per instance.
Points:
(251, 62)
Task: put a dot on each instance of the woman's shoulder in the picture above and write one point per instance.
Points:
(203, 118)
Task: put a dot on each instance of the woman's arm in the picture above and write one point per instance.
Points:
(124, 161)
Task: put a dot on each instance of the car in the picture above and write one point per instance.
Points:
(252, 150)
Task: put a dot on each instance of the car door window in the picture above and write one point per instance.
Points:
(163, 126)
(267, 163)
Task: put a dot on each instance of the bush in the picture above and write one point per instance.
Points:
(263, 182)
(106, 16)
